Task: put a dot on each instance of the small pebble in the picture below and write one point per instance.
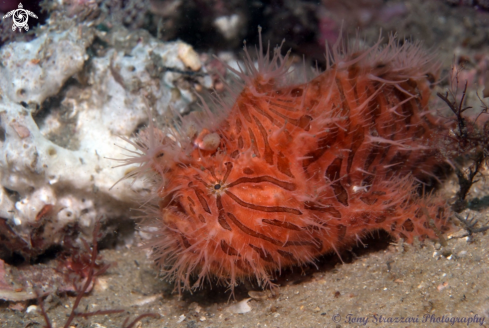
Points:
(260, 295)
(442, 286)
(31, 309)
(189, 57)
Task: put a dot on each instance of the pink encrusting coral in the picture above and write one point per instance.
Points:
(290, 172)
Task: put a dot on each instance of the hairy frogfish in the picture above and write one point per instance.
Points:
(288, 171)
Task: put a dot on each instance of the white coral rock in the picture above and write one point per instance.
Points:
(57, 165)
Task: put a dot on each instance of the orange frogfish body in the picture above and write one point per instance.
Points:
(290, 172)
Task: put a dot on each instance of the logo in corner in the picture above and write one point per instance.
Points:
(20, 17)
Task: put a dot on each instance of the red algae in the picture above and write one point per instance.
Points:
(289, 172)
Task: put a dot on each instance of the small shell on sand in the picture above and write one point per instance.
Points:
(240, 307)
